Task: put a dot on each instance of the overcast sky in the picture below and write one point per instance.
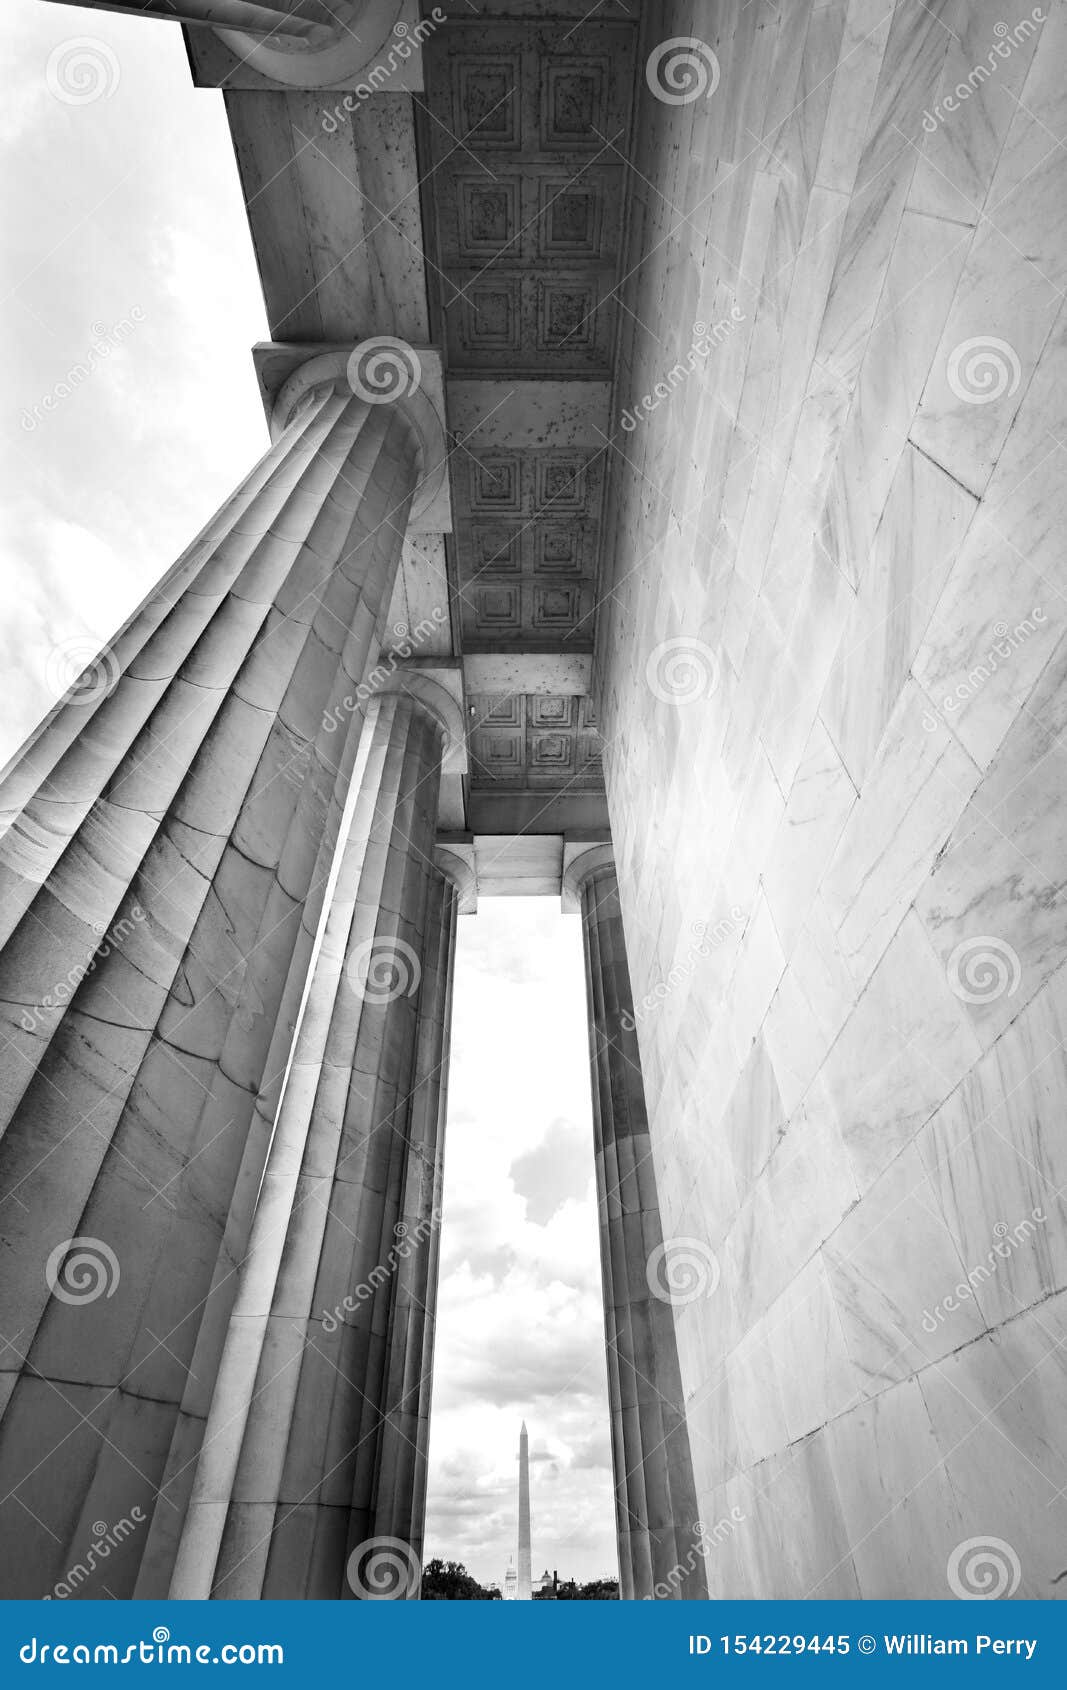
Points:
(127, 247)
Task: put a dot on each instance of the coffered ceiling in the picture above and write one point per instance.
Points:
(523, 129)
(483, 215)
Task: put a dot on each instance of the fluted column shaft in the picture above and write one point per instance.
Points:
(171, 828)
(397, 1507)
(286, 1477)
(660, 1550)
(290, 43)
(297, 18)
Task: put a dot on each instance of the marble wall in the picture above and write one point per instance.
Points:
(832, 684)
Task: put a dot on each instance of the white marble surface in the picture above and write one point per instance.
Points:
(890, 1265)
(918, 786)
(966, 129)
(896, 1496)
(1002, 867)
(820, 800)
(905, 1047)
(848, 532)
(1000, 616)
(1013, 278)
(903, 569)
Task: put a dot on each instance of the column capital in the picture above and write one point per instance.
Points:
(580, 864)
(460, 871)
(382, 370)
(430, 688)
(333, 56)
(300, 43)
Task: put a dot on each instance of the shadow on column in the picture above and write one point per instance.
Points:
(659, 1533)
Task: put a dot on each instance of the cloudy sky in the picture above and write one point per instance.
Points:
(127, 249)
(520, 1329)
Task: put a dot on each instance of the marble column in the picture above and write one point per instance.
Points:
(297, 18)
(659, 1536)
(397, 1505)
(294, 43)
(299, 1465)
(170, 829)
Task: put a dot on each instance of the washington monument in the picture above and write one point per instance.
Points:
(524, 1593)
